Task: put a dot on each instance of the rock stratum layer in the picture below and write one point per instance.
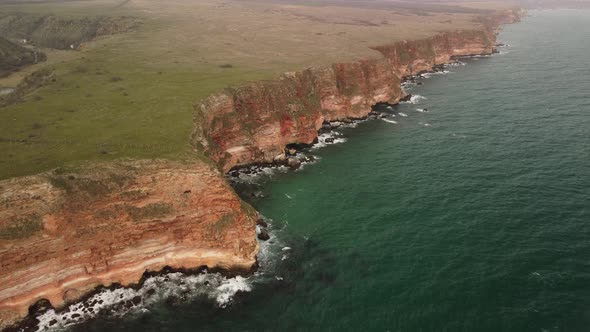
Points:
(254, 123)
(65, 232)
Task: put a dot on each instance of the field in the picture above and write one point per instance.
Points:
(131, 94)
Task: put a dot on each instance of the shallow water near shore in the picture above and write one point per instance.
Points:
(464, 210)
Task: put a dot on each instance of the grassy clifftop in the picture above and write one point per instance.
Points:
(132, 94)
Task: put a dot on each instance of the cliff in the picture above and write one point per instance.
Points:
(255, 122)
(63, 233)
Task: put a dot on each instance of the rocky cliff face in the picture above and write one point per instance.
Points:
(64, 233)
(13, 57)
(255, 122)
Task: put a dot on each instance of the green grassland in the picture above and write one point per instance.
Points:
(131, 94)
(110, 101)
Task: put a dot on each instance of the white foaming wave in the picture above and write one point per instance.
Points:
(479, 56)
(271, 253)
(421, 110)
(121, 301)
(456, 64)
(442, 72)
(416, 98)
(304, 163)
(425, 124)
(402, 114)
(390, 121)
(229, 288)
(256, 173)
(329, 138)
(353, 124)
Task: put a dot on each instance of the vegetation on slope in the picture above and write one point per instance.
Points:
(50, 31)
(14, 57)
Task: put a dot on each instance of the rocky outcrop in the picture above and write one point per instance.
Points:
(65, 232)
(13, 57)
(255, 122)
(50, 31)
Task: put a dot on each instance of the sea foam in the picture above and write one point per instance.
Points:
(177, 287)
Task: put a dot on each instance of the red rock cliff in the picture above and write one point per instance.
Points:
(253, 123)
(64, 233)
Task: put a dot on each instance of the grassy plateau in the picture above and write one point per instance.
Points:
(129, 92)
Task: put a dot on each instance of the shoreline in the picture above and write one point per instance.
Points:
(31, 321)
(291, 132)
(294, 150)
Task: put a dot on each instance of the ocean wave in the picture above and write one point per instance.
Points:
(328, 138)
(455, 64)
(271, 253)
(414, 99)
(253, 174)
(402, 114)
(178, 287)
(389, 121)
(438, 72)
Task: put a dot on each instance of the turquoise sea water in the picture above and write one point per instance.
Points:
(472, 216)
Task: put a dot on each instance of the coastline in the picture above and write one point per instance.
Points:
(258, 134)
(254, 123)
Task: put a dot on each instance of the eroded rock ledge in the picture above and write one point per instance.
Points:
(65, 232)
